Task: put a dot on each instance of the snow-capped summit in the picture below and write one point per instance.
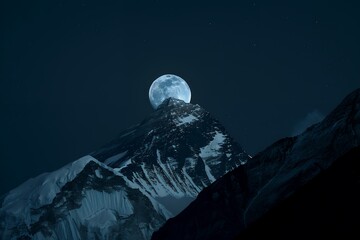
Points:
(131, 186)
(176, 151)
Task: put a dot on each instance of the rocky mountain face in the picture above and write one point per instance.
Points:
(241, 197)
(325, 208)
(131, 186)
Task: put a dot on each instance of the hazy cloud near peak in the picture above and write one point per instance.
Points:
(311, 118)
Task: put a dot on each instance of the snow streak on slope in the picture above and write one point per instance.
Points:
(185, 120)
(212, 149)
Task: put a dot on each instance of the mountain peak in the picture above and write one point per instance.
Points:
(179, 112)
(131, 186)
(180, 131)
(172, 102)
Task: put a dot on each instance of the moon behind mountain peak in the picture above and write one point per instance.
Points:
(166, 86)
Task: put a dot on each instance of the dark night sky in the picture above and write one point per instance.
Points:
(73, 75)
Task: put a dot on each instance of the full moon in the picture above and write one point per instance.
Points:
(167, 86)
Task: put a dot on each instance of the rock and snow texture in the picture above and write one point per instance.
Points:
(176, 152)
(127, 189)
(91, 201)
(41, 190)
(185, 120)
(244, 195)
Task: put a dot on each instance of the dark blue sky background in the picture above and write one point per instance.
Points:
(73, 74)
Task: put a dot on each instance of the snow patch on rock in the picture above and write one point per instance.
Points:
(212, 149)
(185, 120)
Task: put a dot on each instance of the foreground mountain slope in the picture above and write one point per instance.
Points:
(327, 207)
(244, 195)
(128, 188)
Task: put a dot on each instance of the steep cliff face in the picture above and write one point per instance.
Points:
(244, 195)
(128, 188)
